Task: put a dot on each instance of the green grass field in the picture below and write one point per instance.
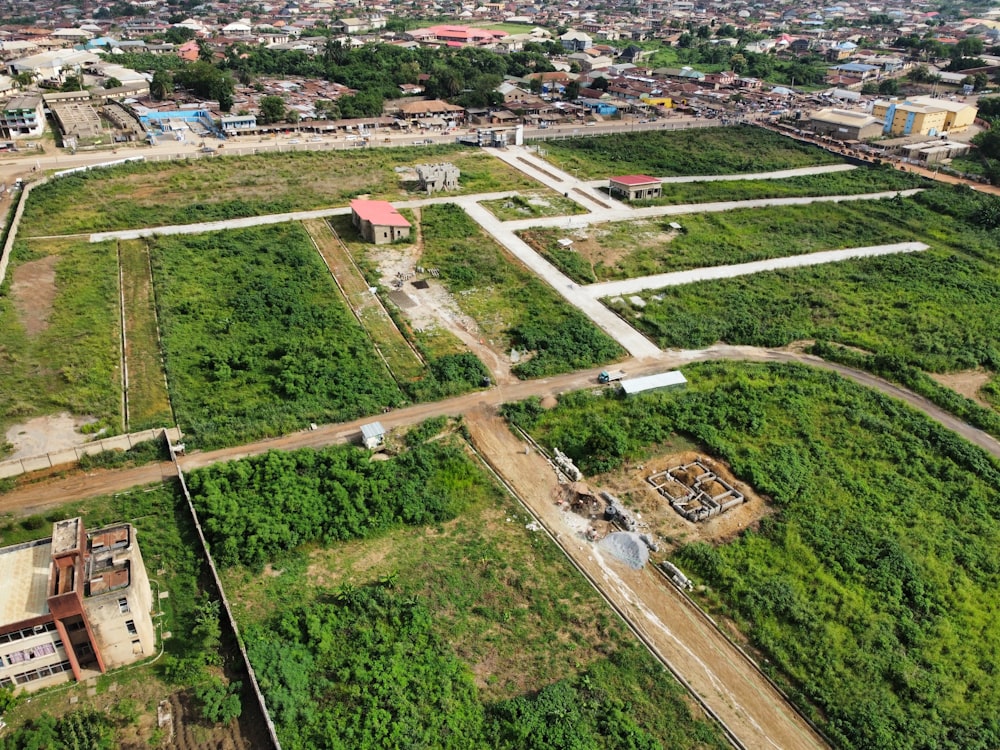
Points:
(60, 334)
(533, 206)
(699, 151)
(145, 194)
(625, 250)
(257, 339)
(932, 309)
(871, 590)
(148, 400)
(861, 180)
(509, 303)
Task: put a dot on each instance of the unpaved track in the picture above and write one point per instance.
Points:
(49, 493)
(676, 630)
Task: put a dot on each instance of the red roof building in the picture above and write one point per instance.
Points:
(379, 221)
(634, 187)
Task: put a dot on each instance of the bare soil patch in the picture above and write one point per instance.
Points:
(966, 383)
(33, 290)
(47, 434)
(430, 305)
(669, 527)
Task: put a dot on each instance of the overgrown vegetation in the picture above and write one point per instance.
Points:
(882, 559)
(447, 629)
(139, 454)
(325, 496)
(932, 310)
(699, 151)
(257, 340)
(143, 194)
(631, 249)
(854, 182)
(532, 206)
(70, 360)
(507, 301)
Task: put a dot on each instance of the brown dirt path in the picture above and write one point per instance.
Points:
(716, 671)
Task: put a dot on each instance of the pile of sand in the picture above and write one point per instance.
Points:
(627, 547)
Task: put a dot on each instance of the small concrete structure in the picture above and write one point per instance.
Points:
(233, 124)
(373, 435)
(660, 381)
(379, 221)
(845, 124)
(437, 177)
(634, 187)
(695, 491)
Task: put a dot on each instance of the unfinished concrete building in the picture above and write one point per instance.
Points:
(695, 491)
(437, 177)
(73, 604)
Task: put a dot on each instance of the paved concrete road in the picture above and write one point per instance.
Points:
(677, 278)
(780, 174)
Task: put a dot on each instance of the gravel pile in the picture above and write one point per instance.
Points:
(627, 547)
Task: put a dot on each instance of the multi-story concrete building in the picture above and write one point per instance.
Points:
(924, 115)
(22, 117)
(72, 603)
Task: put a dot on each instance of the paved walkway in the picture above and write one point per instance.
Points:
(677, 278)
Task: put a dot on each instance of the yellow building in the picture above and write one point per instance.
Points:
(924, 115)
(659, 101)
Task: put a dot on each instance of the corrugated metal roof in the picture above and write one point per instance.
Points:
(635, 179)
(652, 382)
(380, 213)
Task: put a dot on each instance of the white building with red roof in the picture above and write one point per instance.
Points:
(379, 221)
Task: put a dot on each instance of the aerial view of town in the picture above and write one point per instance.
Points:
(556, 375)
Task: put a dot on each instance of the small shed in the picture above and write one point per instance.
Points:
(634, 187)
(660, 381)
(372, 435)
(379, 221)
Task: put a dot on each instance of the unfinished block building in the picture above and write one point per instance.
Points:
(74, 603)
(695, 491)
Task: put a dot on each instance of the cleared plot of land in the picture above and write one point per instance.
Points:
(625, 250)
(724, 150)
(126, 700)
(470, 630)
(511, 306)
(879, 561)
(257, 338)
(935, 309)
(853, 182)
(533, 205)
(164, 193)
(148, 400)
(60, 335)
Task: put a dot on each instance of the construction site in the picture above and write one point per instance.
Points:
(695, 491)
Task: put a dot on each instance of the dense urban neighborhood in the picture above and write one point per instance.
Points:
(522, 376)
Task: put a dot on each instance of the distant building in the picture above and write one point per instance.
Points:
(379, 221)
(924, 115)
(235, 124)
(634, 187)
(22, 117)
(845, 125)
(73, 602)
(575, 41)
(660, 381)
(373, 435)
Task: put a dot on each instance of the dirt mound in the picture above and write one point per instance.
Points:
(549, 402)
(627, 547)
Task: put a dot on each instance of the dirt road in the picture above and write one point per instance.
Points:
(677, 631)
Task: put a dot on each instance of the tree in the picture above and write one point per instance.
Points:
(272, 109)
(162, 85)
(72, 83)
(738, 63)
(572, 91)
(112, 83)
(220, 703)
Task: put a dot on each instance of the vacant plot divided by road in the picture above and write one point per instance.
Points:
(853, 182)
(147, 194)
(870, 585)
(257, 338)
(147, 400)
(60, 335)
(511, 305)
(935, 309)
(466, 628)
(630, 249)
(702, 151)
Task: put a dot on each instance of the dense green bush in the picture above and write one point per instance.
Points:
(255, 509)
(871, 590)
